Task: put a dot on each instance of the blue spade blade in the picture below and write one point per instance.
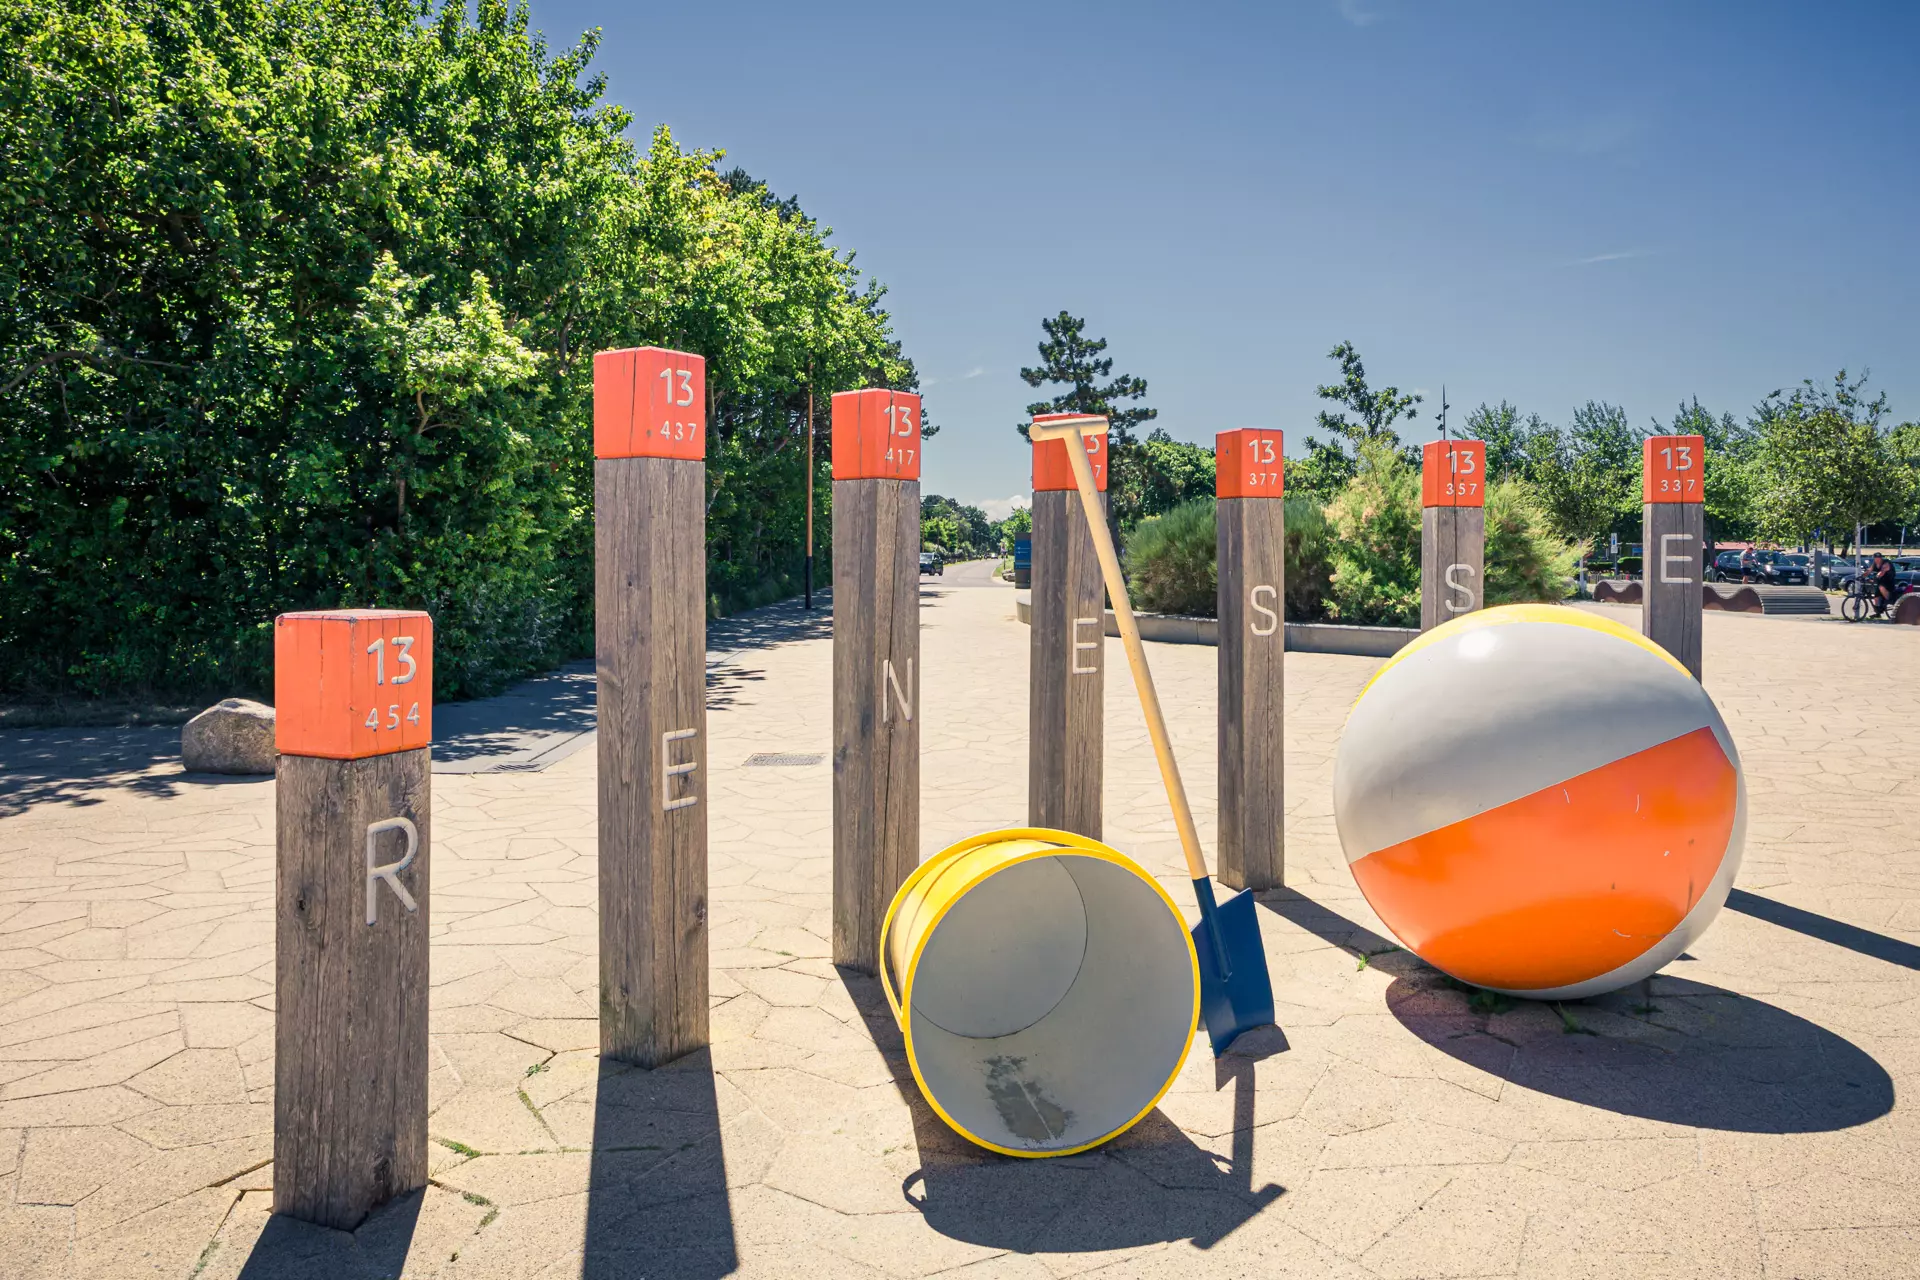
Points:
(1236, 992)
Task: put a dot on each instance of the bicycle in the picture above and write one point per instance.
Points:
(1863, 600)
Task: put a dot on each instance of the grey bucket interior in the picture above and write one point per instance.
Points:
(1052, 1003)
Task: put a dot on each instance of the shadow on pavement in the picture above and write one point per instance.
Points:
(535, 714)
(532, 725)
(1147, 1186)
(1850, 936)
(289, 1249)
(1669, 1049)
(787, 622)
(68, 766)
(657, 1202)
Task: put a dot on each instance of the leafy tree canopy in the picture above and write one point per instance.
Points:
(1374, 412)
(301, 300)
(1823, 464)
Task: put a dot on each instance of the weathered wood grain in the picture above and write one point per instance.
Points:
(1251, 594)
(1672, 570)
(876, 707)
(1065, 704)
(650, 637)
(350, 1004)
(1453, 543)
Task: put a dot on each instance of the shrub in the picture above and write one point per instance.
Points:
(1525, 560)
(1356, 560)
(1309, 570)
(1374, 527)
(1170, 560)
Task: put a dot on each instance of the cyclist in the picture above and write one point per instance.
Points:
(1881, 573)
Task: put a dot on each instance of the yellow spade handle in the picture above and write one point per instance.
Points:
(1071, 434)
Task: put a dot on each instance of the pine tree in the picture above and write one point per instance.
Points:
(1071, 358)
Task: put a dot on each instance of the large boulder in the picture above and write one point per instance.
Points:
(1907, 609)
(233, 736)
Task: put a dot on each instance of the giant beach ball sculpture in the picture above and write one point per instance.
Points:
(1536, 800)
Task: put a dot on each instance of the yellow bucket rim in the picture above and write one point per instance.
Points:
(1058, 842)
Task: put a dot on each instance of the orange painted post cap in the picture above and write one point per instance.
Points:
(1453, 473)
(1249, 462)
(649, 402)
(876, 435)
(349, 683)
(1673, 469)
(1051, 467)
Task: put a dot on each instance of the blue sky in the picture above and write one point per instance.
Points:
(1542, 202)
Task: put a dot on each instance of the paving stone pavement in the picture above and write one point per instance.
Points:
(1743, 1115)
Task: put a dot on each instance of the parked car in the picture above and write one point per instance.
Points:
(1726, 567)
(1836, 572)
(1783, 569)
(930, 563)
(1767, 568)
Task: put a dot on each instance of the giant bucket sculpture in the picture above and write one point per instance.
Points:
(1046, 986)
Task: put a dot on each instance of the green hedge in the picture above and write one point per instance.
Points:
(1356, 560)
(300, 303)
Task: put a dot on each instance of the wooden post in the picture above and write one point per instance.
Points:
(1251, 554)
(876, 663)
(353, 696)
(650, 636)
(1672, 533)
(1066, 691)
(1453, 529)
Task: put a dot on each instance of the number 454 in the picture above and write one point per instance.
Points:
(393, 716)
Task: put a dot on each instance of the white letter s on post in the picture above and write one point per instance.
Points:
(1273, 619)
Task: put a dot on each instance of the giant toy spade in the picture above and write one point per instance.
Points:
(1236, 992)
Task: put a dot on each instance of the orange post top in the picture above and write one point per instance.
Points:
(649, 402)
(1453, 473)
(1672, 468)
(1249, 463)
(876, 435)
(349, 683)
(1051, 467)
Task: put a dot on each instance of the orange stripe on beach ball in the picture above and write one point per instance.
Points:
(1570, 882)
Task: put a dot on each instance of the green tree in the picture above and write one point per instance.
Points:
(962, 529)
(1163, 473)
(1507, 436)
(1018, 524)
(941, 533)
(1070, 359)
(1903, 442)
(1728, 482)
(1322, 473)
(301, 302)
(1374, 412)
(1587, 478)
(1822, 462)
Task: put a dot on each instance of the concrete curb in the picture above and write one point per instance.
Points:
(1302, 637)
